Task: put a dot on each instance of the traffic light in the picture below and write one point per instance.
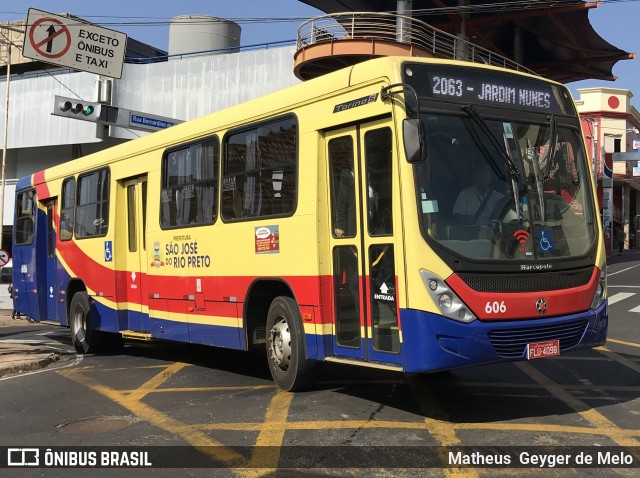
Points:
(77, 109)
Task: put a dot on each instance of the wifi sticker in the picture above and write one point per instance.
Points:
(521, 236)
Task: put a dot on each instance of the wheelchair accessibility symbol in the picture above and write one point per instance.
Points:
(108, 248)
(545, 241)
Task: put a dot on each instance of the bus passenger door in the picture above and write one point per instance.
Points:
(345, 249)
(378, 240)
(363, 283)
(131, 255)
(51, 261)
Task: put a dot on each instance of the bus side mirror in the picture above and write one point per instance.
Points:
(415, 148)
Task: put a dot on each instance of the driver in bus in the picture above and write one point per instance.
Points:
(475, 203)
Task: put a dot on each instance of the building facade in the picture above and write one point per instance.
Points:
(611, 125)
(183, 88)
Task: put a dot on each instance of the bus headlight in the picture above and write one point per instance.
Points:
(447, 301)
(601, 290)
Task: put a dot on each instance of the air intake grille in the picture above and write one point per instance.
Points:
(510, 343)
(535, 282)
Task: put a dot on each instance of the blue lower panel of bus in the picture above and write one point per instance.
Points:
(432, 342)
(216, 335)
(106, 319)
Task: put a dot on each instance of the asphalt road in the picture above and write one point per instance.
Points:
(221, 403)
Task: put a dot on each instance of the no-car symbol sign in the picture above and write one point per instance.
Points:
(4, 257)
(49, 37)
(72, 42)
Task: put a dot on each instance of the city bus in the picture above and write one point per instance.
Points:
(407, 214)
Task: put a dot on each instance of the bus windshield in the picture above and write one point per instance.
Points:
(505, 189)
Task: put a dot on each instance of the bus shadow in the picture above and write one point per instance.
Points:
(492, 393)
(546, 388)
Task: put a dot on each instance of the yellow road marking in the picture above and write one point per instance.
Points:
(381, 424)
(130, 401)
(593, 416)
(537, 386)
(623, 342)
(154, 382)
(275, 424)
(619, 358)
(205, 389)
(272, 432)
(438, 425)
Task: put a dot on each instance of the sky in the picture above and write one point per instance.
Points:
(616, 21)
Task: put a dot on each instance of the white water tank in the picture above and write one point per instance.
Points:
(199, 33)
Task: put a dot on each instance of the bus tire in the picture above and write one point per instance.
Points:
(83, 337)
(289, 366)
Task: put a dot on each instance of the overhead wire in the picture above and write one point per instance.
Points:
(488, 7)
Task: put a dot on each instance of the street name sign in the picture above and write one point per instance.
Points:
(628, 156)
(71, 42)
(151, 122)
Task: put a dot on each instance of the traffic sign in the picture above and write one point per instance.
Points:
(5, 257)
(71, 42)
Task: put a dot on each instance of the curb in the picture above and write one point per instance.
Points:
(24, 363)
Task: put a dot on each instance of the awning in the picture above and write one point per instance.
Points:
(556, 40)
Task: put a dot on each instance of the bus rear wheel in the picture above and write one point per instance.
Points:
(85, 339)
(289, 366)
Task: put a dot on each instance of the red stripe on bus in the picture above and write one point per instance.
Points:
(95, 275)
(525, 305)
(181, 294)
(42, 188)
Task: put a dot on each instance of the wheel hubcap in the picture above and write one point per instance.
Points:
(78, 319)
(280, 344)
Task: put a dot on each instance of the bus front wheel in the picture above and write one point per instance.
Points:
(289, 366)
(84, 339)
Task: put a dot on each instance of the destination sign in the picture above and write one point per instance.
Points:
(468, 85)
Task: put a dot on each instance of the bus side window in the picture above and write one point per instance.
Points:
(25, 217)
(189, 177)
(379, 181)
(343, 200)
(67, 209)
(92, 204)
(24, 230)
(260, 170)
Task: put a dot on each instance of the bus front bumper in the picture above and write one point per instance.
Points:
(432, 342)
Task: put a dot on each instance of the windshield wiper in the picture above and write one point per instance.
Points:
(551, 152)
(514, 173)
(539, 179)
(473, 114)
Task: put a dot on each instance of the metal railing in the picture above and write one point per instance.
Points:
(380, 26)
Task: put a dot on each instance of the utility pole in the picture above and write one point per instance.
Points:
(594, 145)
(5, 40)
(4, 142)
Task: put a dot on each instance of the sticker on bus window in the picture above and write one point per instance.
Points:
(429, 207)
(108, 251)
(508, 132)
(545, 241)
(267, 240)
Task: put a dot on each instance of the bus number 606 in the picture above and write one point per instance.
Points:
(495, 307)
